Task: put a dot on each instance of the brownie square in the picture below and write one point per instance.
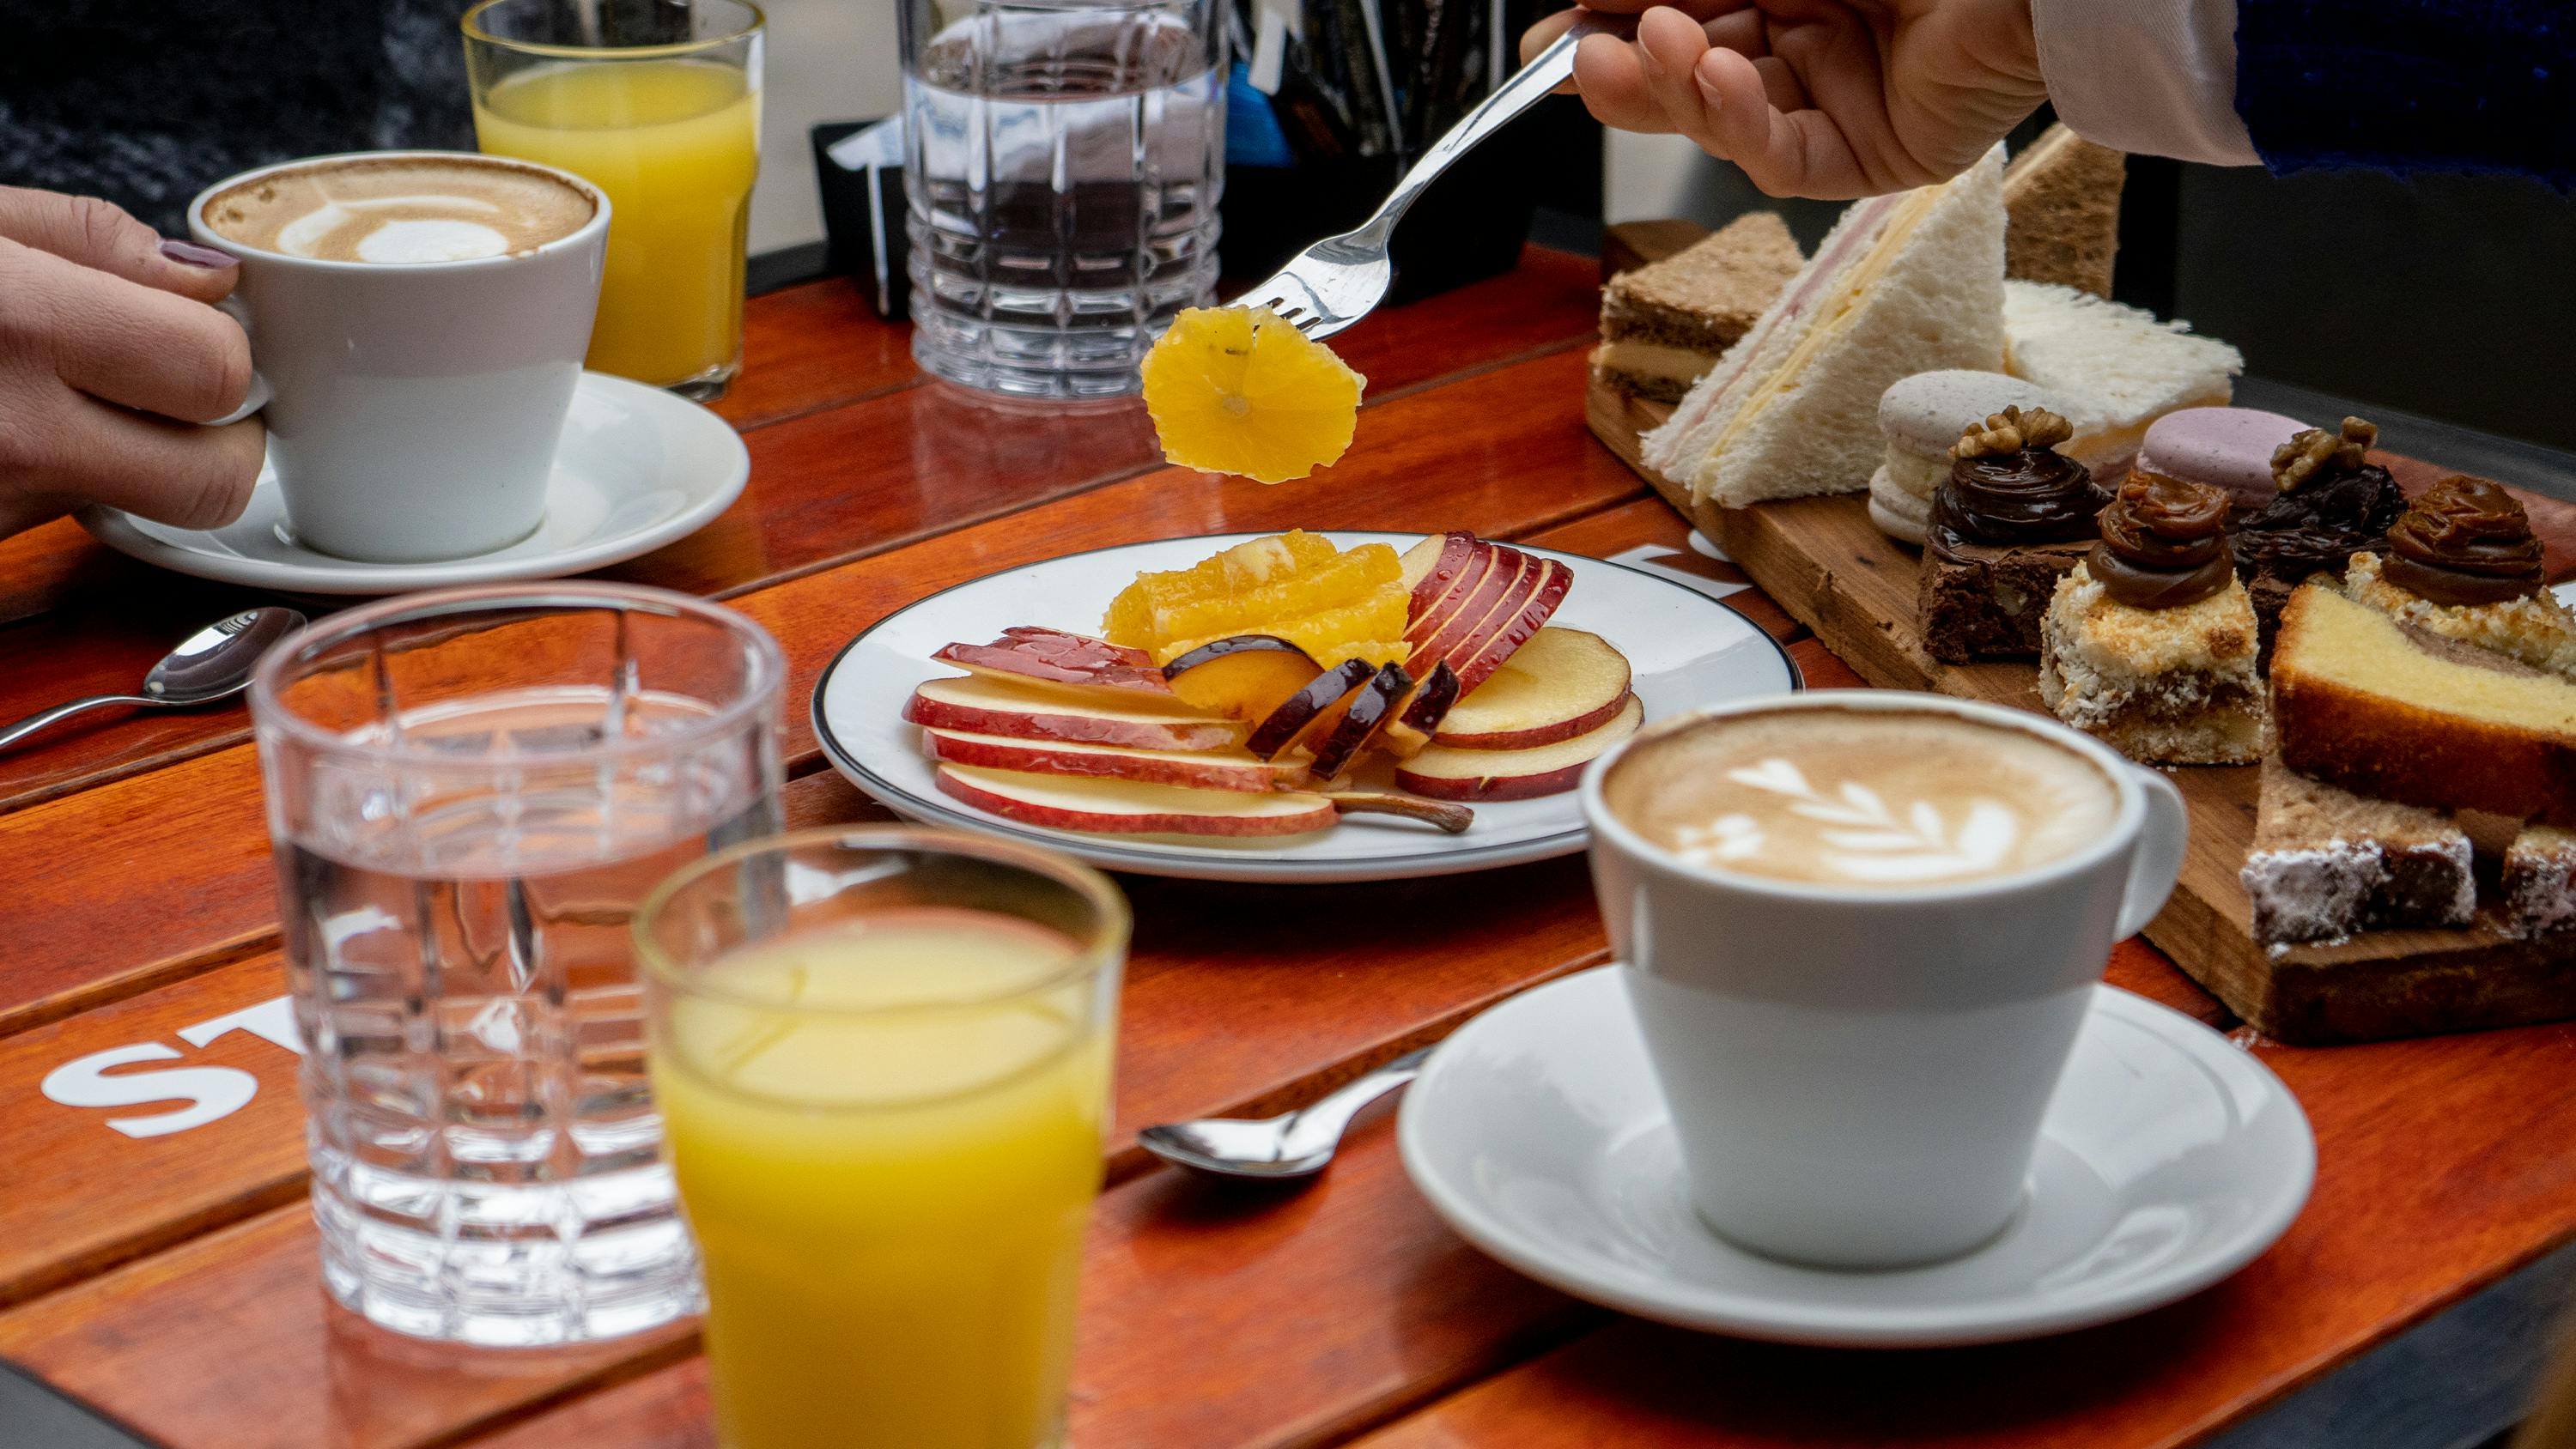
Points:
(1987, 601)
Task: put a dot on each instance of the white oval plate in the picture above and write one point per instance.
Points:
(638, 468)
(1687, 650)
(2168, 1160)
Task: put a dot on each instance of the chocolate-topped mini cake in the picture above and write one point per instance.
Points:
(2330, 502)
(2462, 562)
(2149, 642)
(2012, 519)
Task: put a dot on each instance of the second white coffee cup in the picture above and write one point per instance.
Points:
(414, 407)
(1857, 1076)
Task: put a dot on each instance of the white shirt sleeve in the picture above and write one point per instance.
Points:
(2156, 77)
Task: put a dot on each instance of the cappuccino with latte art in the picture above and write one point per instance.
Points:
(394, 210)
(1870, 800)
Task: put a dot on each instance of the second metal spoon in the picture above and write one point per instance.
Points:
(210, 665)
(1291, 1145)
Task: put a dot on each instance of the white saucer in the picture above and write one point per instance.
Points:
(638, 468)
(2168, 1160)
(1686, 648)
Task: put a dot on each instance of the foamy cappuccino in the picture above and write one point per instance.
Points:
(1870, 800)
(395, 210)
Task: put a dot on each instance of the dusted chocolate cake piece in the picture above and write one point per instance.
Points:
(2464, 564)
(2331, 502)
(2012, 519)
(2327, 862)
(2540, 880)
(2149, 643)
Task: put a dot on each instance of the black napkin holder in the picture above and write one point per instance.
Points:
(863, 224)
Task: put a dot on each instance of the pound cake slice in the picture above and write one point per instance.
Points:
(2327, 862)
(2385, 708)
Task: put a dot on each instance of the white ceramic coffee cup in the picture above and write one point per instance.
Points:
(1856, 1076)
(413, 408)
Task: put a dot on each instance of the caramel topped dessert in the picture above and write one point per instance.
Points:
(2465, 542)
(2463, 563)
(2164, 543)
(2150, 642)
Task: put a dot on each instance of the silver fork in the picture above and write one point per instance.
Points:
(1340, 279)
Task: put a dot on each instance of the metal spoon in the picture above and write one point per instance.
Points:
(1277, 1149)
(210, 665)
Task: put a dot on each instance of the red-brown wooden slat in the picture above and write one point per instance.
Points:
(862, 459)
(98, 911)
(1317, 1005)
(813, 346)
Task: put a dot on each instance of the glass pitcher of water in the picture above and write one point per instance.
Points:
(1062, 163)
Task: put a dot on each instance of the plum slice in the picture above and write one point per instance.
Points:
(1303, 710)
(1371, 706)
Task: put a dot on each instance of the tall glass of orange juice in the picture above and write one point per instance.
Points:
(882, 1060)
(659, 105)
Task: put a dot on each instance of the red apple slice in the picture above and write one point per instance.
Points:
(1510, 578)
(1308, 709)
(1125, 807)
(1072, 663)
(1504, 631)
(1199, 769)
(1563, 683)
(1244, 677)
(1431, 566)
(1451, 774)
(1367, 710)
(979, 705)
(1482, 559)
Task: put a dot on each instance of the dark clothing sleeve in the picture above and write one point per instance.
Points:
(146, 102)
(2410, 85)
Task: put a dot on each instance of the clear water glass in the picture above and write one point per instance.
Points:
(1063, 162)
(469, 793)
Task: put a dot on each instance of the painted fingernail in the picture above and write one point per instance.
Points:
(190, 254)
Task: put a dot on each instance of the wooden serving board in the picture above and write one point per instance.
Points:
(1823, 561)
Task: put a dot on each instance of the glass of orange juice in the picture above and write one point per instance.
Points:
(882, 1059)
(659, 105)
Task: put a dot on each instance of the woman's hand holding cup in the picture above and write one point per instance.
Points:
(112, 360)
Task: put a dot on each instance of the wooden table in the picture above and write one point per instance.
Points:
(156, 1257)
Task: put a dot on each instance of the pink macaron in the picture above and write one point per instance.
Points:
(2227, 448)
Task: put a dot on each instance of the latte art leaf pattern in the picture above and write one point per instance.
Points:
(1728, 837)
(1867, 840)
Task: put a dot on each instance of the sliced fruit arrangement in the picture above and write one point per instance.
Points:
(1236, 697)
(1238, 390)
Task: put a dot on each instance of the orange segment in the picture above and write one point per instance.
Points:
(1238, 390)
(1334, 604)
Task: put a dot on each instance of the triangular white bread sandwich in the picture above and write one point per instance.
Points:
(2132, 368)
(1903, 284)
(2062, 194)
